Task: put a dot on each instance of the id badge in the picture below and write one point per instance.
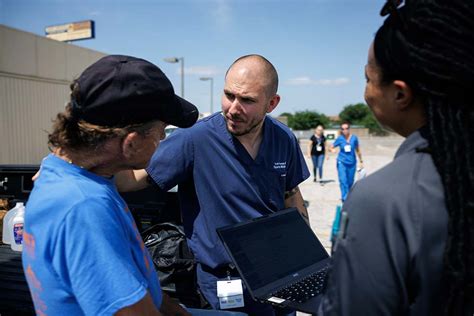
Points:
(230, 293)
(347, 148)
(319, 148)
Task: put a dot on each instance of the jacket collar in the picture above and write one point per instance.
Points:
(413, 142)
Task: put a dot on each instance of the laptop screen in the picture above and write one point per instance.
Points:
(273, 247)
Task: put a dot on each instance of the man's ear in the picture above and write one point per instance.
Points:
(273, 103)
(131, 145)
(403, 95)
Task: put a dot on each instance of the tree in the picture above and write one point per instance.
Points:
(374, 127)
(360, 114)
(289, 117)
(307, 120)
(286, 114)
(354, 113)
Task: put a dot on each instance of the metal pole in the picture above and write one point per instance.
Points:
(212, 96)
(182, 77)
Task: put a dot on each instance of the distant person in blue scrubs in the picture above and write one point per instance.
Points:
(232, 166)
(346, 159)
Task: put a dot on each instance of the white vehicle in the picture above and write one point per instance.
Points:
(170, 129)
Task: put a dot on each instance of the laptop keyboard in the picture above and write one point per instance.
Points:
(304, 289)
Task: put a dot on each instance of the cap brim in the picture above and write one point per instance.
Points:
(184, 113)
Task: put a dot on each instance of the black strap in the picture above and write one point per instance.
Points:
(221, 271)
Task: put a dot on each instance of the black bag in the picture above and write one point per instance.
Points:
(174, 262)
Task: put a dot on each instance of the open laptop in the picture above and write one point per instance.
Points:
(279, 258)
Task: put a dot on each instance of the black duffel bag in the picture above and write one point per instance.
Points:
(174, 262)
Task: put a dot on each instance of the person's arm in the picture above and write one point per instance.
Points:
(144, 307)
(296, 172)
(293, 198)
(327, 149)
(310, 146)
(334, 144)
(171, 308)
(359, 154)
(131, 180)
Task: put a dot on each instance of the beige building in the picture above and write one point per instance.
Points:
(35, 73)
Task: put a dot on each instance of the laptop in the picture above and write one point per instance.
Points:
(279, 258)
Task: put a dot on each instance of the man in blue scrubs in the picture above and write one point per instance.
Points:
(232, 166)
(346, 159)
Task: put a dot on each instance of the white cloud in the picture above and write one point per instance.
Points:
(222, 13)
(299, 81)
(306, 81)
(200, 70)
(94, 13)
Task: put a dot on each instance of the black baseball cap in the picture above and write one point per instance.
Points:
(121, 90)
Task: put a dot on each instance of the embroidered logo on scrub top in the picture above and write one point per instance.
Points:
(279, 165)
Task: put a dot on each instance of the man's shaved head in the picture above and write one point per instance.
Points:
(259, 63)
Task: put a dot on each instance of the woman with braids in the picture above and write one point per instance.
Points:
(408, 245)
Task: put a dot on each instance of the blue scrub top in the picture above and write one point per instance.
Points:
(347, 157)
(219, 182)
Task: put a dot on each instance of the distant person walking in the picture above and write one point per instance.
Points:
(317, 151)
(346, 160)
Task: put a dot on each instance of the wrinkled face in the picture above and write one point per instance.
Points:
(148, 143)
(245, 101)
(377, 93)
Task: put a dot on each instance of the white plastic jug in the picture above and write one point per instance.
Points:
(361, 174)
(17, 230)
(7, 234)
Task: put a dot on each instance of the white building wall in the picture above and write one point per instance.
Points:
(35, 73)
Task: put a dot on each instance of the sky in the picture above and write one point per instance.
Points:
(319, 47)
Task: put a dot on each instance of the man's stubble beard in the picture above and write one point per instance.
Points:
(246, 131)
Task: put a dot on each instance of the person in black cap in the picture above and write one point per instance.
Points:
(408, 246)
(82, 250)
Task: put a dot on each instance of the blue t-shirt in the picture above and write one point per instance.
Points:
(219, 182)
(83, 254)
(347, 149)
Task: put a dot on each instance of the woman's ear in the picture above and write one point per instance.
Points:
(404, 96)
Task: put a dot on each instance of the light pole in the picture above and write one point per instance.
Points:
(175, 60)
(212, 87)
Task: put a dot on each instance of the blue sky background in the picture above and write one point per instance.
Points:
(319, 47)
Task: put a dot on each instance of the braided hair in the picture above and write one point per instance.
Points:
(430, 45)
